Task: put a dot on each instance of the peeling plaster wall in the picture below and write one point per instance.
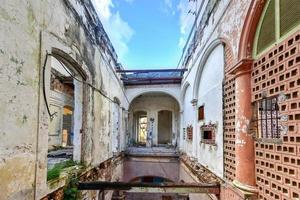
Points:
(29, 29)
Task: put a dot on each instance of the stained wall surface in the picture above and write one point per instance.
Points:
(30, 29)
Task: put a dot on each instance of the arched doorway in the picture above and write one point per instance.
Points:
(164, 127)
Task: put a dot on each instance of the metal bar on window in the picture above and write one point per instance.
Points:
(271, 101)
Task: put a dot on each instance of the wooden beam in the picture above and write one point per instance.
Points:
(152, 187)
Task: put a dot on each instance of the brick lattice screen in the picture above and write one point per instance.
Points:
(278, 162)
(229, 118)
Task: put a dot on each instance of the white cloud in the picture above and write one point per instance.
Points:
(118, 30)
(186, 20)
(167, 7)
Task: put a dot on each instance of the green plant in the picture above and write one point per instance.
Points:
(71, 192)
(58, 168)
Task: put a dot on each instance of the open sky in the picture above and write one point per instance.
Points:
(146, 33)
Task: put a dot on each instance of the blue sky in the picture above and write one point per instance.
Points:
(146, 33)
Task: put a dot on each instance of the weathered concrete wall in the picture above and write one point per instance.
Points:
(29, 29)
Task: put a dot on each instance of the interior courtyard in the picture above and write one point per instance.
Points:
(222, 125)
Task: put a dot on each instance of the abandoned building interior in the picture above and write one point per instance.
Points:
(223, 124)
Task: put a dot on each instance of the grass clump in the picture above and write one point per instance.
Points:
(58, 168)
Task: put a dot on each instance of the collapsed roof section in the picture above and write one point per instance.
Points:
(151, 76)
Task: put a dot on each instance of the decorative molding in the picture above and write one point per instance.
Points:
(189, 131)
(209, 127)
(194, 102)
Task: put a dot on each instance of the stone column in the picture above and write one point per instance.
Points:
(244, 141)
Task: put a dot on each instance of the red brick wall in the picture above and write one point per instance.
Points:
(278, 164)
(229, 118)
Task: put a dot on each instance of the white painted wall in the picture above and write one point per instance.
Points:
(206, 79)
(188, 119)
(210, 95)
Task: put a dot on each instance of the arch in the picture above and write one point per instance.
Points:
(67, 60)
(139, 93)
(202, 63)
(249, 29)
(183, 92)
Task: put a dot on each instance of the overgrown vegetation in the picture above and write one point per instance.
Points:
(71, 192)
(58, 168)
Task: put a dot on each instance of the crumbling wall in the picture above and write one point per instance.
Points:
(71, 30)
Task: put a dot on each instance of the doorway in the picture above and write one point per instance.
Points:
(141, 126)
(164, 127)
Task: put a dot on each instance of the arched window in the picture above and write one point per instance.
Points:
(280, 18)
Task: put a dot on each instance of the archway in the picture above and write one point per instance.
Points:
(150, 104)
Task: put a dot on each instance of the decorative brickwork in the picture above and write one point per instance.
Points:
(229, 128)
(229, 118)
(277, 72)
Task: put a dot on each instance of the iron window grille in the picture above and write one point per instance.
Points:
(268, 118)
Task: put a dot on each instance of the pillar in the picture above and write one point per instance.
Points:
(244, 141)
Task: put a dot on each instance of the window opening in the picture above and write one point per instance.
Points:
(280, 19)
(65, 102)
(268, 118)
(201, 113)
(208, 133)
